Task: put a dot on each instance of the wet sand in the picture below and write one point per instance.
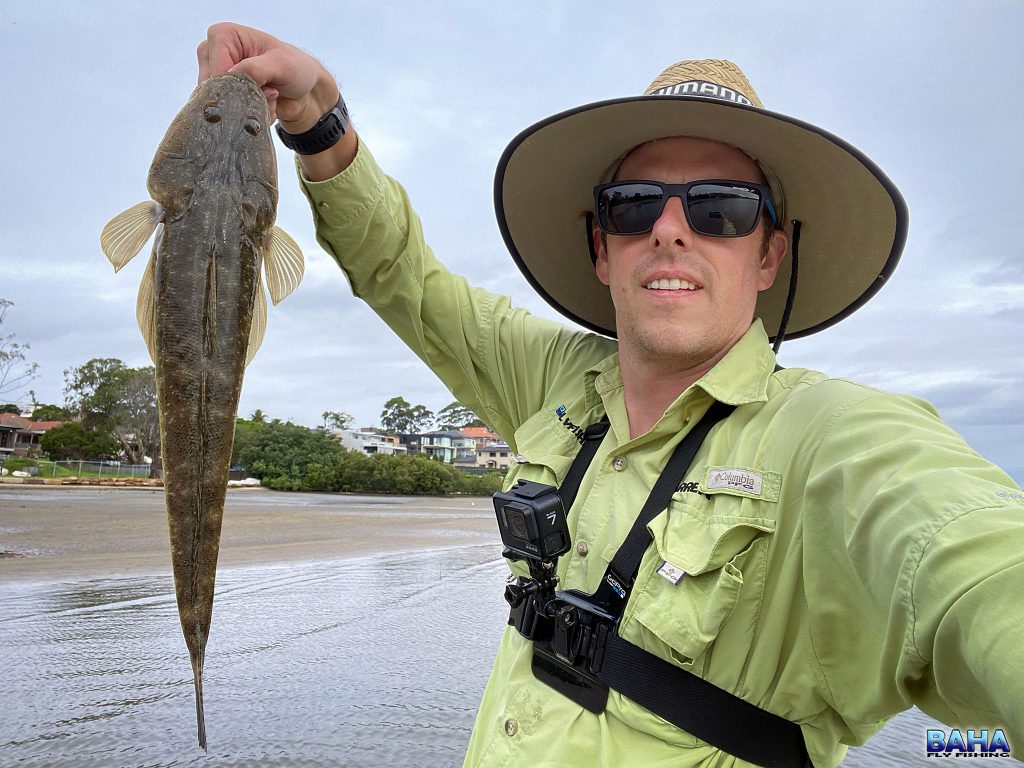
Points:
(61, 532)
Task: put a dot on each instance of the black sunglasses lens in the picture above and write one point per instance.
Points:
(630, 209)
(723, 211)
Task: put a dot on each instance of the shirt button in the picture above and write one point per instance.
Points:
(323, 205)
(582, 549)
(619, 463)
(511, 727)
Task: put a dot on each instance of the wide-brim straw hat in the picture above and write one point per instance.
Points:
(853, 219)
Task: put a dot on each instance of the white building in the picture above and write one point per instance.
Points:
(448, 446)
(368, 442)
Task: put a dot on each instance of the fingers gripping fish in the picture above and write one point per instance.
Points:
(202, 311)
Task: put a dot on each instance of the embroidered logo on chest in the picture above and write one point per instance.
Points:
(735, 479)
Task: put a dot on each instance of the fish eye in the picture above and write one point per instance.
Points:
(253, 126)
(212, 113)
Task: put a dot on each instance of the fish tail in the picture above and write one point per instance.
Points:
(197, 678)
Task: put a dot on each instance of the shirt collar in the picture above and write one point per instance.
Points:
(742, 375)
(738, 378)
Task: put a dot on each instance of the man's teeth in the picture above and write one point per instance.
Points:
(673, 284)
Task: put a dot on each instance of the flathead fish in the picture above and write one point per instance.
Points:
(202, 311)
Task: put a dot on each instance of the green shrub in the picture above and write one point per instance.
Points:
(282, 455)
(19, 464)
(289, 457)
(482, 485)
(73, 441)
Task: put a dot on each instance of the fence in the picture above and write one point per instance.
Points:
(95, 469)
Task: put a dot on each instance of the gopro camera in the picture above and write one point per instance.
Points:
(532, 522)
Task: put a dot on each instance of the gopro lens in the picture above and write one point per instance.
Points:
(515, 519)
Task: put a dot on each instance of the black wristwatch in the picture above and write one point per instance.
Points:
(324, 135)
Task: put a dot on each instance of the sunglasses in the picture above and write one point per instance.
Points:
(714, 207)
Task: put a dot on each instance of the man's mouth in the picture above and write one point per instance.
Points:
(671, 284)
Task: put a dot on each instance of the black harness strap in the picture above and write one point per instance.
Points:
(592, 437)
(710, 713)
(686, 700)
(626, 562)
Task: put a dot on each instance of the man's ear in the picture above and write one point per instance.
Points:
(600, 243)
(778, 244)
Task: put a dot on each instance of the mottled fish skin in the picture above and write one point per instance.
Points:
(215, 176)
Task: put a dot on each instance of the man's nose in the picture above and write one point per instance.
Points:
(671, 226)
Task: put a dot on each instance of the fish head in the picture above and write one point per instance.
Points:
(219, 143)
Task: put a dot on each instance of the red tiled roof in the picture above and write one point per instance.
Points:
(479, 433)
(43, 426)
(13, 420)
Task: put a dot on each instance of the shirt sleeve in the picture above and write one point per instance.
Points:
(496, 360)
(914, 558)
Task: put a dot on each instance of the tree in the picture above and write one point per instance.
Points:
(456, 416)
(15, 370)
(258, 416)
(73, 441)
(337, 420)
(120, 401)
(287, 456)
(47, 412)
(401, 418)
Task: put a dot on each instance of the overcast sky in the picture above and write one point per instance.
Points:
(929, 90)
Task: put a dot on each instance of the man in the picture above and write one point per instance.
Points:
(830, 556)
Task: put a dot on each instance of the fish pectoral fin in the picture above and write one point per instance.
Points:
(125, 234)
(259, 323)
(283, 264)
(145, 307)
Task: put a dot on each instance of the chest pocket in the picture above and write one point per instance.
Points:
(719, 556)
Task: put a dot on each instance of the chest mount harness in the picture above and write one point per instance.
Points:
(576, 646)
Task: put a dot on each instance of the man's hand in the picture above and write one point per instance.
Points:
(299, 89)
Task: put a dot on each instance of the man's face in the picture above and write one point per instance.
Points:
(719, 277)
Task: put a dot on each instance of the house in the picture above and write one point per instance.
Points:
(20, 436)
(448, 446)
(482, 436)
(495, 456)
(368, 441)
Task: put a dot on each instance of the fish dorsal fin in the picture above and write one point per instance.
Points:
(145, 306)
(283, 264)
(259, 322)
(125, 234)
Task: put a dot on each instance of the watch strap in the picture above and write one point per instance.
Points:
(324, 135)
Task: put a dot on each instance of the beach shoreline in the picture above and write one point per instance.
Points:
(50, 532)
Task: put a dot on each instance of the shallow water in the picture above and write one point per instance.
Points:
(376, 661)
(362, 662)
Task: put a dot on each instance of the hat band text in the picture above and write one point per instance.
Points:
(704, 88)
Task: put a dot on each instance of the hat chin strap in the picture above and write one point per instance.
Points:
(794, 249)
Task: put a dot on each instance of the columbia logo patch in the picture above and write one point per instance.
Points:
(735, 480)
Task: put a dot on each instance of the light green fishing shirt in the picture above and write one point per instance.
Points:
(846, 554)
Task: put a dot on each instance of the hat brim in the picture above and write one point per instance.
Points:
(853, 218)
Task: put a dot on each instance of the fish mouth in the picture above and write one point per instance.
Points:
(224, 79)
(245, 78)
